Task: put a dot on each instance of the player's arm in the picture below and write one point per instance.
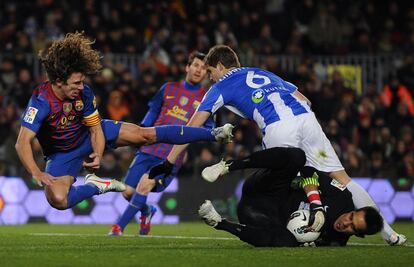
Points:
(300, 96)
(98, 147)
(293, 89)
(310, 184)
(154, 105)
(25, 152)
(92, 119)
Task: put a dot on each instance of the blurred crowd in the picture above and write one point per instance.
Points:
(371, 132)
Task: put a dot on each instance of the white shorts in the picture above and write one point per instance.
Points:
(304, 132)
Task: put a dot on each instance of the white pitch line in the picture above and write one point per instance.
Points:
(189, 237)
(144, 236)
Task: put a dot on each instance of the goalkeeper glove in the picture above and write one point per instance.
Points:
(317, 217)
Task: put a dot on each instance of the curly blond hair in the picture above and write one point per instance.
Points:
(68, 55)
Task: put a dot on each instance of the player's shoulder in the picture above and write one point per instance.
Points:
(87, 89)
(175, 85)
(42, 94)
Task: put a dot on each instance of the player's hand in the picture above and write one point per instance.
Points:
(161, 170)
(43, 178)
(317, 217)
(93, 162)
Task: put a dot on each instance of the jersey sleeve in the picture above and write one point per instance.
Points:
(90, 113)
(210, 123)
(154, 105)
(37, 110)
(289, 86)
(212, 101)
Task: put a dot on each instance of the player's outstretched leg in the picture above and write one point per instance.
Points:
(132, 134)
(361, 198)
(178, 134)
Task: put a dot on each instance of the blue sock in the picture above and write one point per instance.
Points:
(145, 210)
(136, 204)
(177, 134)
(78, 193)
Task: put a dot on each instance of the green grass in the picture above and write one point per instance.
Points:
(87, 245)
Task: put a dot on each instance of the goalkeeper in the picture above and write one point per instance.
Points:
(268, 200)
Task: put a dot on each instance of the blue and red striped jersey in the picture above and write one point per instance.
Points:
(60, 125)
(174, 104)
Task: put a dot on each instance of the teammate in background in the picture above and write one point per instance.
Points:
(62, 114)
(174, 104)
(267, 201)
(282, 113)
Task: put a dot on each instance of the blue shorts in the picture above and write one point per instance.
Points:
(70, 163)
(141, 165)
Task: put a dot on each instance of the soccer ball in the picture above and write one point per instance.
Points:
(297, 224)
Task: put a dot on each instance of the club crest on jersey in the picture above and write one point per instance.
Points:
(30, 115)
(257, 96)
(67, 107)
(183, 101)
(79, 105)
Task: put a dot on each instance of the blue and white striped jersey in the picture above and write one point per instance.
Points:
(254, 94)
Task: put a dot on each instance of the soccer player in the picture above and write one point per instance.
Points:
(62, 113)
(174, 104)
(267, 201)
(282, 113)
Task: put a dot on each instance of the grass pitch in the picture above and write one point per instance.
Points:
(186, 244)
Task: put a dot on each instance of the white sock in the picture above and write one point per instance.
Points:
(361, 199)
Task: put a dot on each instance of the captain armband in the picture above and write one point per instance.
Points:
(92, 120)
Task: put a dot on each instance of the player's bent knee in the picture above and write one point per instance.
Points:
(58, 201)
(127, 194)
(145, 186)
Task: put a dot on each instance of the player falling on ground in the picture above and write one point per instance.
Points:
(62, 113)
(174, 104)
(282, 113)
(267, 201)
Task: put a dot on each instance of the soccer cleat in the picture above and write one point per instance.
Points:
(213, 172)
(116, 230)
(397, 240)
(209, 214)
(224, 133)
(145, 226)
(105, 185)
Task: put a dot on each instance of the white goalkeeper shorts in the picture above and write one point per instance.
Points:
(305, 132)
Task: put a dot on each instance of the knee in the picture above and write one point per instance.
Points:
(58, 201)
(127, 194)
(145, 186)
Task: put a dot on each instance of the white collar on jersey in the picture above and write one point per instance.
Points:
(231, 72)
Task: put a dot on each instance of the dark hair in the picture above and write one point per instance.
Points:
(68, 55)
(223, 54)
(195, 55)
(373, 220)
